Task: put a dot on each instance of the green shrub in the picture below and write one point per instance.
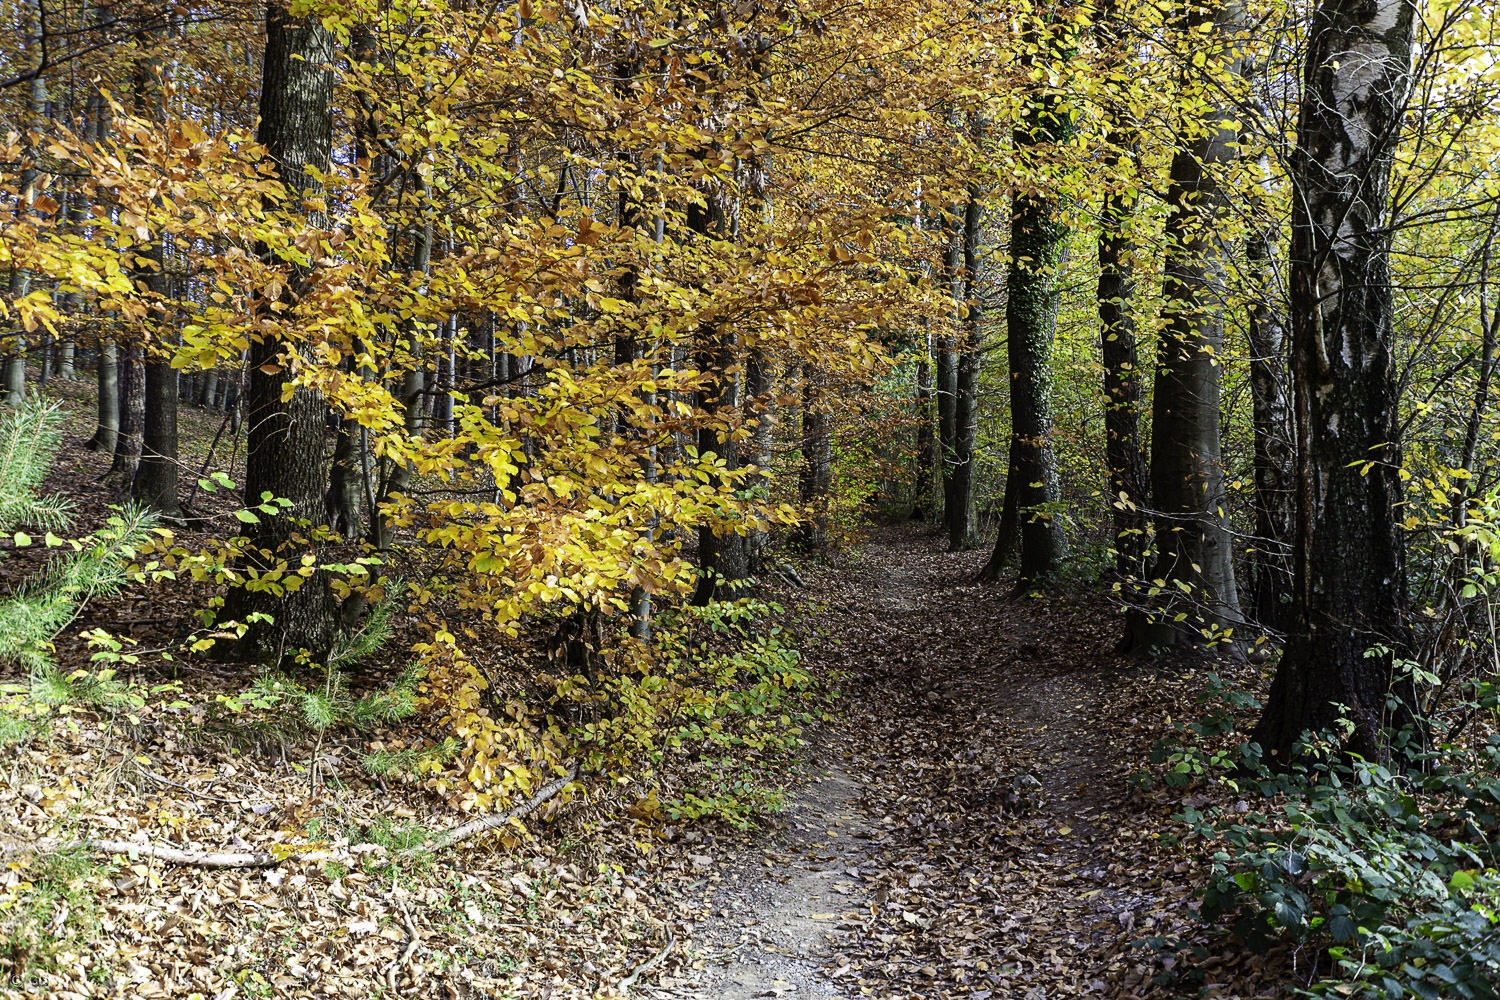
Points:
(1391, 876)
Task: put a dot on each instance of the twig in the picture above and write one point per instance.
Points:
(411, 943)
(475, 827)
(649, 964)
(202, 795)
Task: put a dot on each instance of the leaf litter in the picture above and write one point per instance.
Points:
(969, 826)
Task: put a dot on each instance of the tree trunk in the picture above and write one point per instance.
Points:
(346, 477)
(207, 388)
(413, 384)
(107, 377)
(1124, 450)
(816, 478)
(284, 452)
(1275, 454)
(958, 503)
(132, 418)
(921, 507)
(1198, 605)
(760, 410)
(1032, 487)
(155, 483)
(947, 374)
(1349, 590)
(722, 558)
(13, 366)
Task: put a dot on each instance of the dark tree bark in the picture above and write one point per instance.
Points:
(760, 411)
(1033, 489)
(921, 507)
(1349, 562)
(346, 477)
(1194, 554)
(816, 478)
(947, 370)
(107, 378)
(155, 483)
(284, 455)
(958, 502)
(722, 558)
(1275, 453)
(1124, 449)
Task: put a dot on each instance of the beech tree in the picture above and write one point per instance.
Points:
(1195, 600)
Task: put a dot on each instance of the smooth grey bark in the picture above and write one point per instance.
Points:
(13, 365)
(284, 450)
(131, 383)
(107, 378)
(1349, 565)
(1194, 555)
(207, 388)
(442, 400)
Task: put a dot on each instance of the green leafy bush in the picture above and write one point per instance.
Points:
(1390, 876)
(720, 694)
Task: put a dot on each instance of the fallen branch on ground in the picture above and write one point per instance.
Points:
(475, 827)
(202, 859)
(649, 964)
(230, 859)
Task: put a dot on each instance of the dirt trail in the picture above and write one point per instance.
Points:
(961, 836)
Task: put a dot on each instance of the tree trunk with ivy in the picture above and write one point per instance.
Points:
(1033, 487)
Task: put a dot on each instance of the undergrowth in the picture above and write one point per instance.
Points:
(1382, 880)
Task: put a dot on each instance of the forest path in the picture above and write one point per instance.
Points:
(969, 830)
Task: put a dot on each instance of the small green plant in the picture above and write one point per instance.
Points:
(46, 602)
(48, 915)
(720, 693)
(353, 647)
(381, 763)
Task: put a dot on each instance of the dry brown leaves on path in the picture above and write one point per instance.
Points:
(1002, 845)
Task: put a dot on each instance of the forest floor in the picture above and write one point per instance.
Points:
(970, 823)
(976, 826)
